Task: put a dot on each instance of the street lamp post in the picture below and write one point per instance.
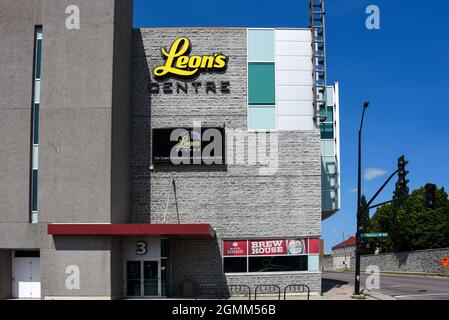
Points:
(359, 196)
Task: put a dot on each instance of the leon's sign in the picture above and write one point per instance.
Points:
(180, 63)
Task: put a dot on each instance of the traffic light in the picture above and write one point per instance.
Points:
(430, 195)
(402, 174)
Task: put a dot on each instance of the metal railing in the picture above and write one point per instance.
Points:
(239, 289)
(297, 288)
(268, 289)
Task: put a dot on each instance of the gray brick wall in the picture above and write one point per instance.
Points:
(427, 261)
(236, 200)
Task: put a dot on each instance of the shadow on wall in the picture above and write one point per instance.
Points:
(197, 263)
(140, 185)
(329, 284)
(402, 259)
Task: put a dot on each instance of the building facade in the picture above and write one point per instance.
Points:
(159, 162)
(342, 254)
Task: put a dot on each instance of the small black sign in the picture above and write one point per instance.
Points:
(189, 146)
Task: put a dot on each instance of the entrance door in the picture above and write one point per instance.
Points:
(133, 277)
(26, 281)
(150, 278)
(142, 278)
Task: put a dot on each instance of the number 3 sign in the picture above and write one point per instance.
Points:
(141, 248)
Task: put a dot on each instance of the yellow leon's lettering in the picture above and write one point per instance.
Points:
(178, 49)
(178, 62)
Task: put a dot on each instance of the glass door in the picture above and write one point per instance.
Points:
(150, 278)
(133, 278)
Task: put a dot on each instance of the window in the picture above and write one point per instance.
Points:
(261, 84)
(278, 264)
(261, 45)
(327, 131)
(235, 264)
(262, 118)
(261, 80)
(258, 256)
(35, 124)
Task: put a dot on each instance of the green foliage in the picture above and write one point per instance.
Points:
(412, 226)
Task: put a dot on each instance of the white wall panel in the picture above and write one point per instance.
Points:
(294, 35)
(295, 93)
(299, 123)
(297, 78)
(293, 63)
(294, 79)
(293, 48)
(295, 108)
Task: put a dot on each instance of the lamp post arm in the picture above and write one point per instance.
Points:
(378, 192)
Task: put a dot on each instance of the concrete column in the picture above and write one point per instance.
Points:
(5, 274)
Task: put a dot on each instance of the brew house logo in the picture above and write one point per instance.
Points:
(178, 62)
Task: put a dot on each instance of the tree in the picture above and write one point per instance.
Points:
(413, 226)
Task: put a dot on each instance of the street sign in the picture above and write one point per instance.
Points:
(374, 235)
(445, 262)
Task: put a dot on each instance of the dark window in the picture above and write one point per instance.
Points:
(165, 246)
(26, 254)
(34, 193)
(233, 265)
(278, 264)
(327, 131)
(36, 124)
(38, 58)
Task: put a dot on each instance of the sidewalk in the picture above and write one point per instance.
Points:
(346, 292)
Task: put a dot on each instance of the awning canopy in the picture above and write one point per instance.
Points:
(190, 231)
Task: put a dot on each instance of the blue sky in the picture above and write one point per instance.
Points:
(401, 69)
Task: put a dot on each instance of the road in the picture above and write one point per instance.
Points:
(402, 287)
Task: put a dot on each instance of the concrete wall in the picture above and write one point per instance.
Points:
(428, 261)
(236, 199)
(84, 113)
(93, 258)
(17, 21)
(5, 274)
(81, 114)
(121, 106)
(117, 281)
(84, 135)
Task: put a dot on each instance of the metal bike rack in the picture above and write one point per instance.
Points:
(239, 289)
(297, 288)
(267, 289)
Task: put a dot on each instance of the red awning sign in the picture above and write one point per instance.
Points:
(235, 248)
(270, 247)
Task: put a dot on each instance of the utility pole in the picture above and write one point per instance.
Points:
(359, 196)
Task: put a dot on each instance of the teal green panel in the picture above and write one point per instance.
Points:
(314, 263)
(327, 148)
(327, 131)
(261, 45)
(328, 165)
(330, 114)
(261, 84)
(262, 118)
